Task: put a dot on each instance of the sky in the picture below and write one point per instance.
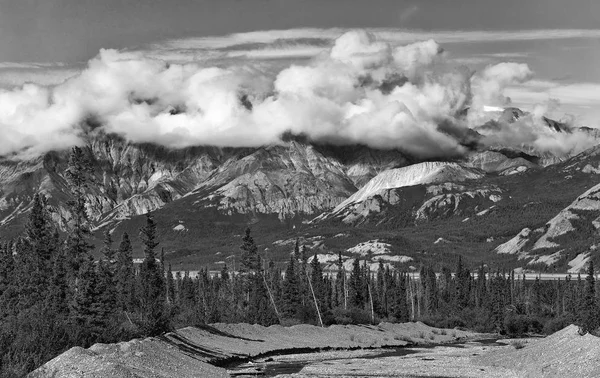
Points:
(74, 30)
(49, 41)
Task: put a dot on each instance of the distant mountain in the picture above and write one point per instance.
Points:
(384, 190)
(571, 236)
(204, 197)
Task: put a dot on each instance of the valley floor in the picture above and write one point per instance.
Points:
(440, 361)
(191, 350)
(336, 351)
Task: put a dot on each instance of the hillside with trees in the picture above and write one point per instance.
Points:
(54, 294)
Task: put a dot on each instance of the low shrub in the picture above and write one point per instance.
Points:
(516, 325)
(351, 316)
(556, 324)
(403, 338)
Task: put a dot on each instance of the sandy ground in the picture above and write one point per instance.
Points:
(443, 361)
(562, 354)
(190, 352)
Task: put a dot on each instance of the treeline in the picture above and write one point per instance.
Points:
(480, 300)
(54, 295)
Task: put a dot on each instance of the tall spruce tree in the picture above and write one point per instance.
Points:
(356, 286)
(590, 306)
(87, 313)
(152, 283)
(250, 258)
(58, 298)
(124, 274)
(78, 175)
(35, 255)
(290, 292)
(317, 281)
(340, 283)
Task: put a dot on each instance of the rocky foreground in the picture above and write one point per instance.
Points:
(562, 354)
(197, 352)
(200, 352)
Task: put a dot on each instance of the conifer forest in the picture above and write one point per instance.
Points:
(55, 295)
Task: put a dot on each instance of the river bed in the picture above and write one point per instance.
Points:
(441, 361)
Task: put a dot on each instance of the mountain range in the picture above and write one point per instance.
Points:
(505, 206)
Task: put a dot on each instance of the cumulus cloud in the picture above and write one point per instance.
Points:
(361, 90)
(489, 87)
(532, 133)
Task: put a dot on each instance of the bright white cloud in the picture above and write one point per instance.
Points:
(336, 97)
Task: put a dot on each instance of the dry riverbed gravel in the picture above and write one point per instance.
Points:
(191, 352)
(194, 352)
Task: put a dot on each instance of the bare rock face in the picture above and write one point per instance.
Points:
(283, 180)
(496, 162)
(128, 180)
(416, 193)
(570, 234)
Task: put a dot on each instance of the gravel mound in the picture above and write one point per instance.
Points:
(191, 351)
(562, 354)
(148, 358)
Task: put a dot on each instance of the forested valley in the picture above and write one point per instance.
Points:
(55, 295)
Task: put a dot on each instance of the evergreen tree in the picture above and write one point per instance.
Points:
(356, 286)
(381, 290)
(108, 252)
(58, 298)
(340, 283)
(290, 291)
(35, 254)
(78, 177)
(401, 312)
(107, 289)
(318, 284)
(589, 306)
(225, 273)
(87, 313)
(297, 249)
(124, 274)
(152, 286)
(250, 258)
(170, 286)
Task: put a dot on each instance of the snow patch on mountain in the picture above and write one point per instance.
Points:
(180, 228)
(416, 174)
(389, 258)
(514, 170)
(548, 259)
(450, 203)
(579, 262)
(325, 258)
(484, 212)
(516, 244)
(591, 169)
(493, 161)
(561, 224)
(374, 247)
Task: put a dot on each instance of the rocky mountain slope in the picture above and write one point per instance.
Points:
(571, 235)
(203, 197)
(129, 180)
